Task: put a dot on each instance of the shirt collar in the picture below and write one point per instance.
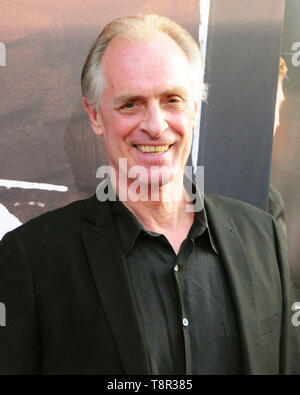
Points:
(129, 227)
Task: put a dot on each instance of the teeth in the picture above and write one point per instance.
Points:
(153, 149)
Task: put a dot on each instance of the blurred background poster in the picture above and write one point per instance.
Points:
(285, 175)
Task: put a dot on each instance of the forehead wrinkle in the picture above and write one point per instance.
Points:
(167, 92)
(120, 47)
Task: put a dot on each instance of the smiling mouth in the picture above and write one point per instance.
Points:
(153, 149)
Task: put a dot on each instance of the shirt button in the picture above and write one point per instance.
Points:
(185, 322)
(176, 268)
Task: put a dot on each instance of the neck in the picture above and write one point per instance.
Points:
(162, 212)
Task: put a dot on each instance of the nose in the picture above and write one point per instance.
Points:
(154, 122)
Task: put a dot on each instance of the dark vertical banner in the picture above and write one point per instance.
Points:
(48, 152)
(286, 147)
(236, 132)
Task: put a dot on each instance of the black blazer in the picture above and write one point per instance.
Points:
(70, 307)
(277, 210)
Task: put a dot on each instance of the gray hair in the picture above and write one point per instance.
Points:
(136, 29)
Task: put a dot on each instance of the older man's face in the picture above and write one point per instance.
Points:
(147, 109)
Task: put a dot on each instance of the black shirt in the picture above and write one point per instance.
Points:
(183, 301)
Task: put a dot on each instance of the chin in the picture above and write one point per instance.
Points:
(155, 178)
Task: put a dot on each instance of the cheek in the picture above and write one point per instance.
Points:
(117, 129)
(181, 121)
(185, 126)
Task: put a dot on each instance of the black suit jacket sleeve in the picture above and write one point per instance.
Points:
(290, 337)
(20, 337)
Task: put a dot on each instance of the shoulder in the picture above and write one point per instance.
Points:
(237, 211)
(276, 204)
(59, 223)
(254, 228)
(232, 206)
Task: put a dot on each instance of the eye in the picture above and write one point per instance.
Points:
(174, 99)
(128, 105)
(131, 104)
(175, 102)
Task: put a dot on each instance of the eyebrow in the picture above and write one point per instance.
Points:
(124, 98)
(176, 91)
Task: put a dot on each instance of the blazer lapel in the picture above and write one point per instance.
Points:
(108, 266)
(241, 277)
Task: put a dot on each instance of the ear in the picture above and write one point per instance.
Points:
(94, 117)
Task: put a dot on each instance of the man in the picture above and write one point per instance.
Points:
(142, 285)
(276, 204)
(280, 98)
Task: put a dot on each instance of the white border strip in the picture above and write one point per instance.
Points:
(32, 185)
(2, 55)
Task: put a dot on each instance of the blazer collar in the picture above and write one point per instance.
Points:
(109, 269)
(241, 277)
